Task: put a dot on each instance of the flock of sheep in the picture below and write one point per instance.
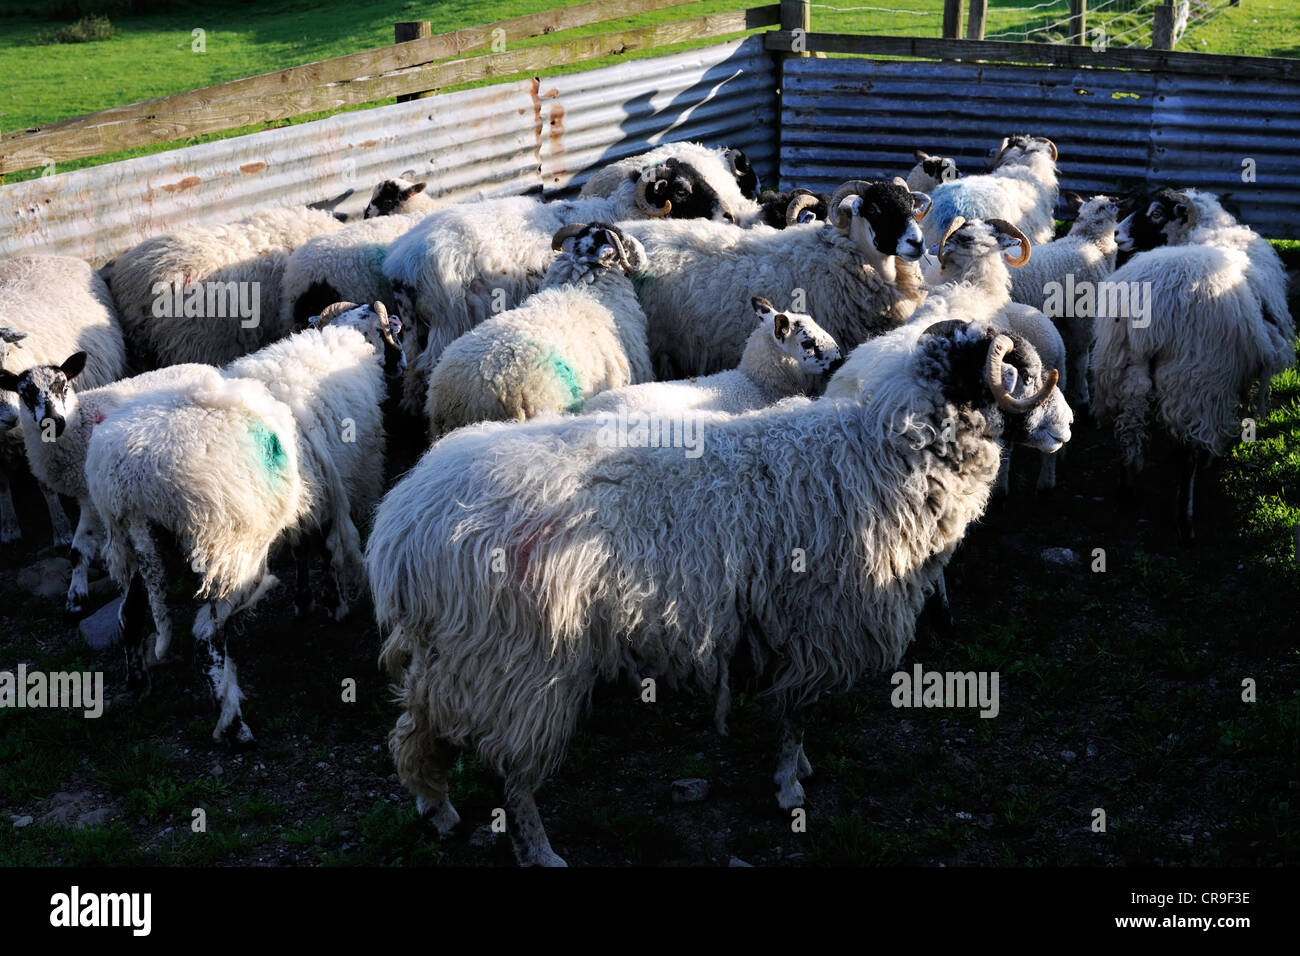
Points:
(671, 420)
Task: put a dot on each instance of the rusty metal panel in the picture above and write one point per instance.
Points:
(491, 141)
(721, 95)
(848, 118)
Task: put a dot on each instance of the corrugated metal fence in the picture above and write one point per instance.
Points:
(846, 118)
(504, 139)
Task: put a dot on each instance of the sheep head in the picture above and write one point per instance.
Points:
(600, 245)
(880, 216)
(45, 392)
(805, 346)
(1168, 216)
(1013, 149)
(390, 197)
(677, 189)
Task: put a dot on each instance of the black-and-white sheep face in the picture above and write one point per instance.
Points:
(1155, 222)
(1001, 375)
(881, 215)
(931, 171)
(601, 246)
(382, 331)
(802, 340)
(799, 205)
(1013, 150)
(8, 409)
(45, 393)
(683, 191)
(390, 197)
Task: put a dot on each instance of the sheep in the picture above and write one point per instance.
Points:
(786, 355)
(287, 444)
(346, 265)
(1192, 329)
(399, 197)
(1021, 189)
(57, 423)
(975, 281)
(581, 333)
(856, 273)
(464, 264)
(727, 170)
(50, 307)
(515, 566)
(210, 293)
(1066, 269)
(781, 209)
(930, 171)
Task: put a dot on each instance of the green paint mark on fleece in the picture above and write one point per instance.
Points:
(568, 378)
(268, 446)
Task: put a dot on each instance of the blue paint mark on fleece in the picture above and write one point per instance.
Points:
(268, 446)
(568, 378)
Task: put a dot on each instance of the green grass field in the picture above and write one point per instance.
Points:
(152, 54)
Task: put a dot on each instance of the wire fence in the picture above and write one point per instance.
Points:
(1119, 23)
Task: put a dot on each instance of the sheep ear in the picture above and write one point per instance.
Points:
(920, 155)
(1073, 199)
(410, 191)
(8, 381)
(762, 307)
(781, 326)
(74, 365)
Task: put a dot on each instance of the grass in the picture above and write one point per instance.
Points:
(153, 54)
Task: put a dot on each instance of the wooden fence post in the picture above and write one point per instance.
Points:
(405, 30)
(975, 19)
(1162, 26)
(951, 19)
(796, 15)
(1078, 21)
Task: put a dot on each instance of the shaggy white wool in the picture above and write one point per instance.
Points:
(710, 161)
(1022, 189)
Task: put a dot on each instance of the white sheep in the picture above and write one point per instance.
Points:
(57, 422)
(516, 566)
(581, 333)
(346, 265)
(856, 273)
(50, 307)
(1021, 189)
(210, 293)
(464, 264)
(399, 197)
(931, 171)
(1063, 278)
(1198, 326)
(727, 170)
(787, 354)
(287, 444)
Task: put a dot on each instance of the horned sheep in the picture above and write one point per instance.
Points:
(523, 550)
(727, 170)
(581, 333)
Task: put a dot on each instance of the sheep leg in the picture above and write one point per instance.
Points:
(1047, 472)
(302, 596)
(527, 834)
(60, 527)
(87, 544)
(223, 680)
(1003, 485)
(150, 567)
(1186, 495)
(424, 763)
(133, 630)
(334, 599)
(790, 760)
(10, 529)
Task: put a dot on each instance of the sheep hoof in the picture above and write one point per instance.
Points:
(236, 736)
(541, 857)
(790, 795)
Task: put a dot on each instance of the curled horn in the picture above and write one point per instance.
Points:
(734, 163)
(644, 204)
(853, 187)
(797, 205)
(567, 232)
(1002, 148)
(1055, 154)
(1004, 227)
(957, 223)
(385, 329)
(1182, 198)
(920, 206)
(1002, 344)
(331, 312)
